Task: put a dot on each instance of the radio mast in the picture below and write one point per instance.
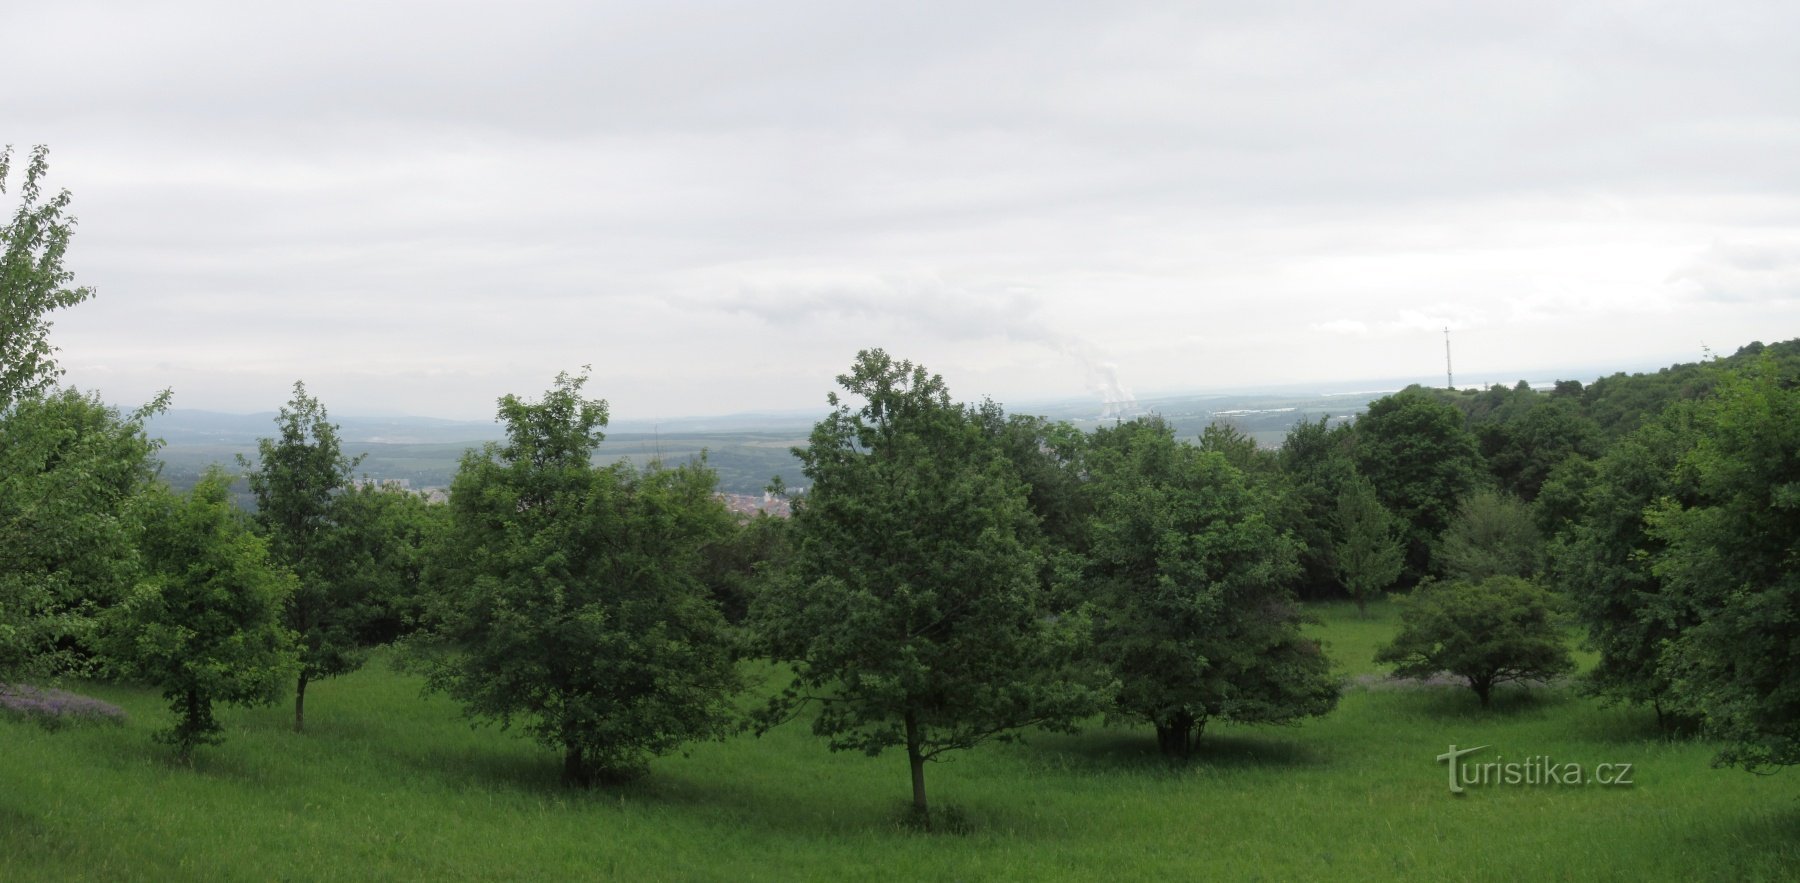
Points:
(1449, 378)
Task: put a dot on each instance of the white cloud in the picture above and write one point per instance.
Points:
(716, 206)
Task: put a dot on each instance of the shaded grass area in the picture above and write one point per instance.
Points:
(388, 785)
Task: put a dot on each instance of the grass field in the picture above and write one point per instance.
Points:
(387, 785)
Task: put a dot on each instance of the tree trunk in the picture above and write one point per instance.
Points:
(914, 756)
(1483, 689)
(575, 772)
(188, 729)
(1175, 736)
(300, 704)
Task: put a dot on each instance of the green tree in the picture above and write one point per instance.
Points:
(1602, 559)
(1526, 443)
(1315, 463)
(1370, 552)
(33, 281)
(1423, 462)
(297, 480)
(1494, 534)
(1732, 552)
(1188, 579)
(571, 597)
(1240, 450)
(384, 539)
(914, 612)
(205, 622)
(1490, 632)
(743, 552)
(70, 467)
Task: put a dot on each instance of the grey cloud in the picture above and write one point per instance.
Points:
(1745, 273)
(1191, 190)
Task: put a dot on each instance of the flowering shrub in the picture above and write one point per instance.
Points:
(56, 707)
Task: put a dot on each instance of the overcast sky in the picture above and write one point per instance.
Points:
(419, 207)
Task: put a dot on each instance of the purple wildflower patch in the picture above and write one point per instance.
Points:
(55, 707)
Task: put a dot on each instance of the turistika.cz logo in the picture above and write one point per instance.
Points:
(1536, 770)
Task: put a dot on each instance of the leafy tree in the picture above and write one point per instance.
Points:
(1620, 403)
(1047, 456)
(571, 597)
(1188, 580)
(1315, 462)
(1370, 552)
(205, 622)
(913, 611)
(1732, 552)
(739, 555)
(384, 538)
(1423, 462)
(1494, 534)
(297, 480)
(1238, 448)
(1490, 632)
(1602, 560)
(70, 466)
(33, 281)
(1522, 449)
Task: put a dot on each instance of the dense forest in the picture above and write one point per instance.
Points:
(953, 574)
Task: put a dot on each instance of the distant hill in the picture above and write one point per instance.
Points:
(749, 449)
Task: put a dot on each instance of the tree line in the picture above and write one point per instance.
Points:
(953, 575)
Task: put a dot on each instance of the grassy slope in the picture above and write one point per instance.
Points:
(387, 785)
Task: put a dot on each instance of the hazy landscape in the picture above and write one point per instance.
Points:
(601, 440)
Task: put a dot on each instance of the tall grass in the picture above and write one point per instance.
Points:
(387, 785)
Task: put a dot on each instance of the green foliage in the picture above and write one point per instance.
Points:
(1733, 552)
(205, 623)
(1422, 462)
(1494, 534)
(1047, 456)
(1490, 632)
(1370, 552)
(1620, 403)
(69, 468)
(383, 540)
(1188, 582)
(1239, 449)
(738, 556)
(571, 597)
(1315, 461)
(33, 281)
(914, 611)
(1523, 443)
(1602, 559)
(297, 480)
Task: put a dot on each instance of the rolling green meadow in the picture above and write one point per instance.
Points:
(388, 785)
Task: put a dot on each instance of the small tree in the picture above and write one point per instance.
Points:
(1370, 551)
(914, 611)
(297, 479)
(205, 623)
(571, 596)
(1494, 534)
(384, 539)
(1315, 463)
(1497, 630)
(1603, 558)
(32, 281)
(70, 466)
(1188, 579)
(1422, 461)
